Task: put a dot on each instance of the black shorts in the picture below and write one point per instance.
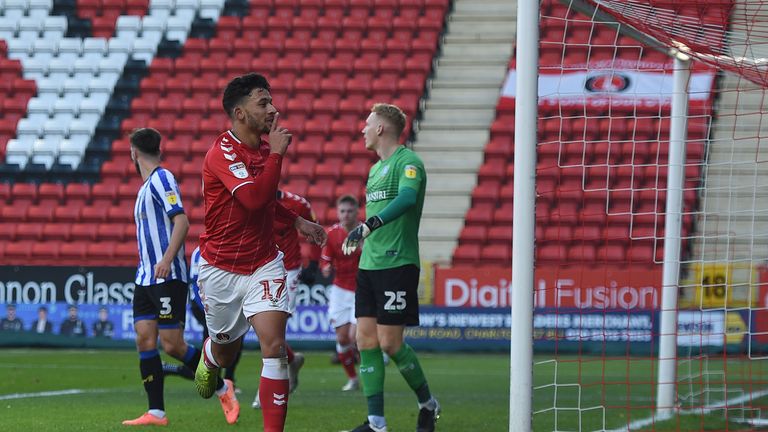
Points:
(164, 302)
(390, 295)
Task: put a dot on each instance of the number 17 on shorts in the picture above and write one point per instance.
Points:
(273, 290)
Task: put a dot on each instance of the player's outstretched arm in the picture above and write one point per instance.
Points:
(405, 199)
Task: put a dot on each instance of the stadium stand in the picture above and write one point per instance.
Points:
(118, 65)
(622, 153)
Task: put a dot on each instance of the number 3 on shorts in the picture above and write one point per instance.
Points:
(166, 305)
(395, 300)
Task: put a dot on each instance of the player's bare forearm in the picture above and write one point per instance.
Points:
(178, 234)
(312, 231)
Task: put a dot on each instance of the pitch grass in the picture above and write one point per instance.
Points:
(473, 389)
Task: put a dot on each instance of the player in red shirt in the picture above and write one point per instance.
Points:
(341, 300)
(242, 277)
(287, 239)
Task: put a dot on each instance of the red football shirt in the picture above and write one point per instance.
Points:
(345, 265)
(287, 237)
(237, 239)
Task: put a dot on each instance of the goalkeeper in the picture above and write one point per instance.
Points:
(386, 299)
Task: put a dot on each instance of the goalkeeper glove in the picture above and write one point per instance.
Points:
(362, 231)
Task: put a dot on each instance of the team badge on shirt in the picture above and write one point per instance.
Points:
(238, 170)
(171, 197)
(410, 171)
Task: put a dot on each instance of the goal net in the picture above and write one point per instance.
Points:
(606, 84)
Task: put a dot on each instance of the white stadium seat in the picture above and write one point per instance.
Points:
(44, 46)
(82, 127)
(38, 106)
(71, 151)
(18, 48)
(94, 100)
(128, 25)
(70, 45)
(18, 151)
(144, 49)
(75, 86)
(29, 127)
(50, 86)
(45, 151)
(160, 4)
(95, 45)
(67, 105)
(101, 85)
(150, 22)
(119, 45)
(34, 68)
(55, 127)
(84, 69)
(177, 35)
(59, 68)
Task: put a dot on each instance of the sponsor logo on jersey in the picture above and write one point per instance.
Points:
(376, 196)
(410, 171)
(238, 170)
(171, 197)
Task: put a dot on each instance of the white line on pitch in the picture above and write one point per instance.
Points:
(49, 393)
(637, 424)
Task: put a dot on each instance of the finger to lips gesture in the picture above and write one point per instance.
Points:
(279, 137)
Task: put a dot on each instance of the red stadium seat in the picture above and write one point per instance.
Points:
(74, 252)
(96, 213)
(84, 232)
(39, 213)
(18, 252)
(466, 254)
(56, 231)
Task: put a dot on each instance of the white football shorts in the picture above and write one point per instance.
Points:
(293, 288)
(341, 307)
(230, 298)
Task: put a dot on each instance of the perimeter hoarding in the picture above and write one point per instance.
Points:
(601, 288)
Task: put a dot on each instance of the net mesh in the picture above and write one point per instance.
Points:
(602, 165)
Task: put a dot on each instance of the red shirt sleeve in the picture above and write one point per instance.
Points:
(228, 168)
(261, 190)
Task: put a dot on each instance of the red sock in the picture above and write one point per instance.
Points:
(273, 395)
(289, 353)
(347, 359)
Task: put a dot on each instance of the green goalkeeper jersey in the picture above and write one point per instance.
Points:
(397, 242)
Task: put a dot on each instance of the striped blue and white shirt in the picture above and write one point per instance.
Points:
(158, 201)
(194, 271)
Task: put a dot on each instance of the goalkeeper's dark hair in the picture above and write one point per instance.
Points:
(348, 199)
(393, 115)
(146, 140)
(239, 88)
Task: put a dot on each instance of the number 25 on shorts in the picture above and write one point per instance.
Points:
(395, 300)
(275, 285)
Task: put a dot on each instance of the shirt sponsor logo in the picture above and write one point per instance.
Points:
(376, 196)
(410, 171)
(171, 197)
(238, 170)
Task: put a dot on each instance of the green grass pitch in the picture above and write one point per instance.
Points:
(472, 388)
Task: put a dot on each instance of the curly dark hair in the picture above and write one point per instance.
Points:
(239, 88)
